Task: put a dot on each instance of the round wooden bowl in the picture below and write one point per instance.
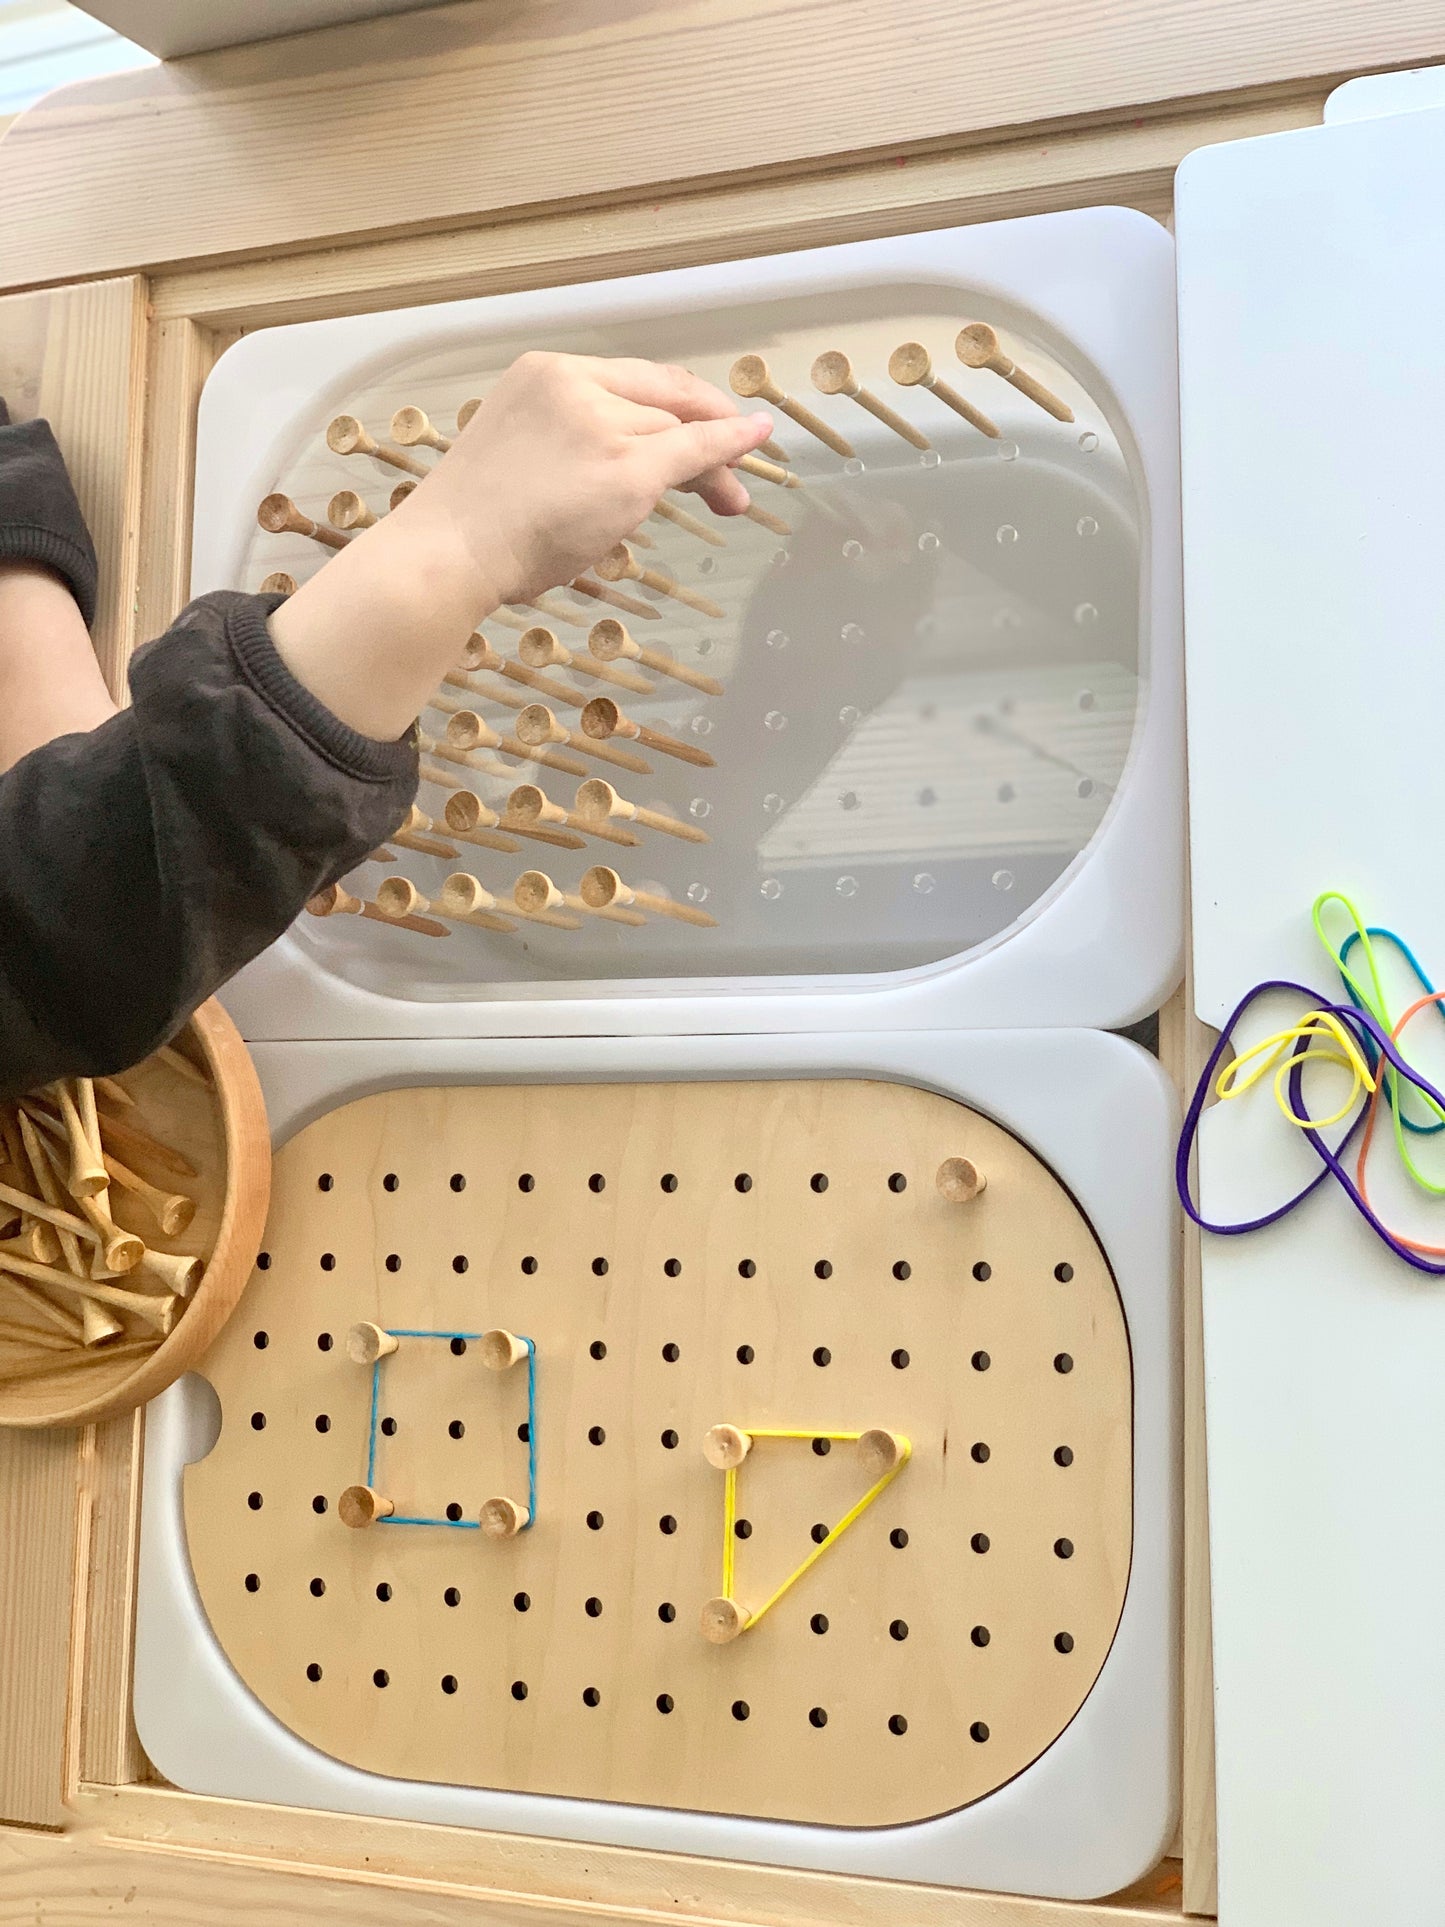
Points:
(221, 1128)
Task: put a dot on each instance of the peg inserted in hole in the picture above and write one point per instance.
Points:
(540, 649)
(536, 725)
(399, 494)
(479, 654)
(620, 563)
(279, 583)
(279, 515)
(534, 890)
(465, 811)
(503, 1518)
(721, 1621)
(399, 897)
(767, 471)
(726, 1446)
(609, 639)
(465, 898)
(602, 887)
(334, 901)
(911, 366)
(416, 834)
(960, 1180)
(669, 512)
(749, 377)
(602, 718)
(359, 1507)
(596, 800)
(466, 733)
(412, 429)
(977, 347)
(346, 436)
(501, 1350)
(346, 510)
(881, 1451)
(833, 375)
(630, 605)
(530, 805)
(365, 1343)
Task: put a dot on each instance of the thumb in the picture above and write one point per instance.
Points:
(692, 448)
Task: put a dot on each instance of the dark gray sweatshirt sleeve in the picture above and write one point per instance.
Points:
(144, 862)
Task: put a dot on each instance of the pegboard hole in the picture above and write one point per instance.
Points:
(258, 1421)
(318, 1504)
(594, 1521)
(328, 1261)
(665, 1702)
(980, 1635)
(741, 1709)
(742, 1182)
(672, 1353)
(597, 1349)
(898, 1538)
(817, 1716)
(673, 1267)
(253, 1582)
(388, 1426)
(524, 1433)
(1063, 1273)
(669, 1440)
(822, 1269)
(1063, 1363)
(599, 1267)
(591, 1696)
(900, 1360)
(898, 1629)
(1063, 1455)
(452, 1596)
(255, 1501)
(822, 1356)
(596, 1182)
(982, 1272)
(390, 1182)
(897, 1724)
(456, 1430)
(454, 1511)
(261, 1340)
(818, 1533)
(1063, 1642)
(457, 1347)
(459, 1263)
(897, 1182)
(317, 1588)
(979, 1453)
(742, 1528)
(978, 1731)
(522, 1601)
(592, 1608)
(526, 1182)
(668, 1181)
(819, 1181)
(325, 1181)
(667, 1612)
(519, 1689)
(263, 1261)
(902, 1271)
(596, 1435)
(819, 1622)
(457, 1181)
(393, 1261)
(822, 1447)
(746, 1354)
(383, 1592)
(980, 1542)
(1063, 1548)
(323, 1422)
(529, 1265)
(667, 1524)
(324, 1341)
(313, 1672)
(449, 1682)
(980, 1361)
(381, 1677)
(747, 1269)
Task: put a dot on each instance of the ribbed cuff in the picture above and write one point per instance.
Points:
(343, 747)
(22, 542)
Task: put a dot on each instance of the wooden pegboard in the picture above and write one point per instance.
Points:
(660, 1308)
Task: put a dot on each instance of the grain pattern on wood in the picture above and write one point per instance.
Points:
(110, 1472)
(39, 1499)
(243, 127)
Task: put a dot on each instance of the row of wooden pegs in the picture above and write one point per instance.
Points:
(535, 898)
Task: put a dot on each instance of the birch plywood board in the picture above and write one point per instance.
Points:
(765, 1255)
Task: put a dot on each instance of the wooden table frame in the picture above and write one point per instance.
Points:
(116, 318)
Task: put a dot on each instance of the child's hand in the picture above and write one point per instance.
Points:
(566, 456)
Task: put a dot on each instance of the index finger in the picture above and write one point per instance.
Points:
(658, 384)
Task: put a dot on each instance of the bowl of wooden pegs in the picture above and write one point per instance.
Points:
(131, 1209)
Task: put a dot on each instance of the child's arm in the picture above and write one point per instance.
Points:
(267, 748)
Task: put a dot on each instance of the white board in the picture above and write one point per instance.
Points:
(1312, 284)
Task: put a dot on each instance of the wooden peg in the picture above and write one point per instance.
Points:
(602, 718)
(466, 411)
(547, 605)
(52, 1214)
(366, 1343)
(749, 377)
(172, 1211)
(621, 562)
(279, 515)
(464, 895)
(346, 510)
(346, 436)
(534, 890)
(279, 583)
(64, 1322)
(881, 1451)
(767, 471)
(336, 902)
(960, 1180)
(464, 900)
(66, 1243)
(418, 833)
(833, 375)
(481, 655)
(87, 1173)
(184, 1066)
(503, 1518)
(609, 639)
(359, 1507)
(977, 347)
(174, 1270)
(726, 1446)
(911, 366)
(466, 731)
(468, 758)
(537, 725)
(497, 692)
(121, 1135)
(446, 779)
(99, 1325)
(115, 1250)
(539, 649)
(410, 428)
(530, 805)
(465, 810)
(399, 494)
(670, 512)
(767, 520)
(155, 1309)
(602, 887)
(596, 801)
(500, 1350)
(722, 1620)
(399, 897)
(630, 605)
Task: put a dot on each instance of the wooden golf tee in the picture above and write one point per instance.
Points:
(172, 1210)
(767, 471)
(359, 1507)
(602, 718)
(536, 725)
(882, 1451)
(609, 639)
(466, 411)
(279, 583)
(621, 562)
(465, 809)
(669, 512)
(466, 731)
(365, 1343)
(534, 890)
(960, 1180)
(498, 692)
(130, 1140)
(479, 654)
(722, 1620)
(346, 510)
(50, 1190)
(399, 897)
(725, 1447)
(279, 515)
(977, 347)
(630, 605)
(911, 367)
(464, 897)
(596, 800)
(540, 649)
(530, 805)
(410, 428)
(602, 887)
(156, 1309)
(749, 377)
(765, 519)
(98, 1324)
(415, 834)
(174, 1270)
(346, 436)
(833, 375)
(503, 1518)
(399, 494)
(500, 1350)
(334, 901)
